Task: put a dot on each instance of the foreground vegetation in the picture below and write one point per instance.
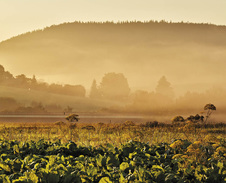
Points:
(128, 152)
(180, 161)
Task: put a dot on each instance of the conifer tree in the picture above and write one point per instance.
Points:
(164, 88)
(94, 92)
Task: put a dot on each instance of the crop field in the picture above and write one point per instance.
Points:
(100, 152)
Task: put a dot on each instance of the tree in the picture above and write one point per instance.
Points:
(5, 76)
(177, 120)
(22, 80)
(33, 82)
(74, 90)
(164, 88)
(114, 86)
(209, 108)
(94, 92)
(2, 72)
(197, 118)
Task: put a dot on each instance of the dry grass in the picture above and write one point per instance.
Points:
(97, 134)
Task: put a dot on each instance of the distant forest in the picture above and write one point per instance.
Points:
(22, 81)
(170, 28)
(111, 95)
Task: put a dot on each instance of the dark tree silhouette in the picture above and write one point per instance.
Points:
(22, 81)
(2, 72)
(72, 118)
(209, 108)
(196, 118)
(177, 120)
(5, 77)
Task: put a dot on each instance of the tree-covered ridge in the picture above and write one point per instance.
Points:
(22, 81)
(184, 27)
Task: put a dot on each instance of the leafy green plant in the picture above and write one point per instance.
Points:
(180, 161)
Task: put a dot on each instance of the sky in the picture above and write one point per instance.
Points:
(21, 16)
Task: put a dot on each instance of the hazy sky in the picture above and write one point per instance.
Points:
(20, 16)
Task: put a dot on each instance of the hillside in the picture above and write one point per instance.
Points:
(26, 97)
(77, 53)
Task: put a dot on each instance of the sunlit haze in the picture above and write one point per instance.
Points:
(137, 57)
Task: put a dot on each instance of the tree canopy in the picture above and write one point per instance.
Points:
(22, 81)
(164, 88)
(114, 86)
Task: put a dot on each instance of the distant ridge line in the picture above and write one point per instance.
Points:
(115, 23)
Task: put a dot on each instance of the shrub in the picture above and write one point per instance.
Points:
(72, 118)
(177, 120)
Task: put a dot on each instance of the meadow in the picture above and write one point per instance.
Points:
(112, 152)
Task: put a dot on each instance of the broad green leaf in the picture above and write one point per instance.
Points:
(5, 179)
(122, 179)
(133, 163)
(147, 155)
(62, 158)
(80, 166)
(111, 148)
(131, 155)
(33, 177)
(124, 165)
(5, 167)
(21, 180)
(105, 180)
(99, 159)
(221, 166)
(61, 167)
(16, 149)
(91, 170)
(158, 155)
(157, 167)
(52, 160)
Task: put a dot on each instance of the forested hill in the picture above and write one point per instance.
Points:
(79, 52)
(127, 31)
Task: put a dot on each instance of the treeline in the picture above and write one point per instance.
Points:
(22, 81)
(114, 86)
(9, 105)
(161, 101)
(150, 23)
(112, 94)
(172, 31)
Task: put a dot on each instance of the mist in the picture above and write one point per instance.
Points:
(191, 57)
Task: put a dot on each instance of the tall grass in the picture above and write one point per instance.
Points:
(100, 133)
